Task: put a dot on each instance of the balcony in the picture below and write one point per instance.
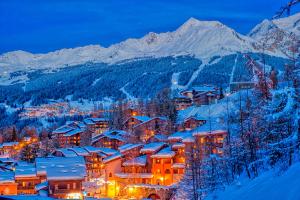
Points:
(65, 191)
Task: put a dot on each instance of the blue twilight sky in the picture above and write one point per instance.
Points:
(45, 25)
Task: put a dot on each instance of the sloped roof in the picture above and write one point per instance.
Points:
(127, 147)
(152, 147)
(112, 157)
(24, 169)
(164, 153)
(138, 161)
(211, 127)
(66, 152)
(79, 151)
(7, 177)
(62, 168)
(73, 132)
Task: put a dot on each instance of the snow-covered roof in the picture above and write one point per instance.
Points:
(178, 145)
(152, 147)
(41, 186)
(8, 144)
(94, 120)
(66, 152)
(127, 147)
(204, 88)
(138, 161)
(210, 127)
(160, 137)
(142, 118)
(63, 129)
(134, 175)
(73, 132)
(79, 151)
(112, 157)
(178, 165)
(111, 134)
(104, 150)
(62, 168)
(24, 169)
(180, 135)
(7, 177)
(7, 160)
(164, 153)
(189, 139)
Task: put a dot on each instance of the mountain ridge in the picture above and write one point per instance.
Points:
(203, 39)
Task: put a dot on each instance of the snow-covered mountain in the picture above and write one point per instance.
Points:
(279, 34)
(204, 39)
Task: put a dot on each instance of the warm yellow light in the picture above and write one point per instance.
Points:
(161, 178)
(130, 189)
(74, 196)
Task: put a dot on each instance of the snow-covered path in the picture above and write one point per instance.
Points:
(194, 76)
(233, 68)
(128, 96)
(174, 81)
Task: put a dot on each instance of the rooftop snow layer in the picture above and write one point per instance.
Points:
(73, 132)
(138, 161)
(127, 147)
(24, 169)
(152, 147)
(62, 168)
(112, 157)
(66, 152)
(7, 177)
(79, 151)
(164, 153)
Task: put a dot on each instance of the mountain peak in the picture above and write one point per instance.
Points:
(195, 22)
(290, 24)
(262, 29)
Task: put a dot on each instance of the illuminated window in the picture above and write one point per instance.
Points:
(157, 160)
(220, 140)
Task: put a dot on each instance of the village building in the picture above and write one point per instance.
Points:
(210, 138)
(96, 125)
(112, 167)
(110, 139)
(145, 127)
(64, 176)
(237, 86)
(26, 178)
(8, 186)
(182, 102)
(9, 149)
(191, 123)
(202, 95)
(72, 134)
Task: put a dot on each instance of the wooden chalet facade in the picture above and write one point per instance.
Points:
(72, 135)
(110, 139)
(146, 127)
(97, 125)
(203, 95)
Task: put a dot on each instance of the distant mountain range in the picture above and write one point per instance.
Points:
(204, 39)
(210, 46)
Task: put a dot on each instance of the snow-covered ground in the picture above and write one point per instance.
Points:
(268, 186)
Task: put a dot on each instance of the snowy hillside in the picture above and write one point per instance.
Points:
(269, 185)
(204, 39)
(278, 34)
